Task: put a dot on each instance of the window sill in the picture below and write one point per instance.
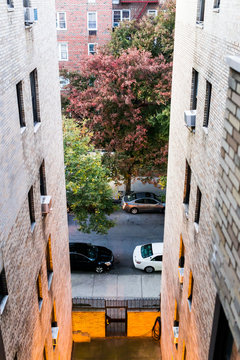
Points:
(33, 227)
(10, 9)
(22, 130)
(186, 210)
(40, 302)
(50, 277)
(3, 304)
(216, 10)
(205, 129)
(200, 25)
(196, 227)
(37, 126)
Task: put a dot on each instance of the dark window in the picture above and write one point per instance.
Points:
(181, 253)
(146, 250)
(10, 3)
(92, 32)
(31, 206)
(44, 353)
(216, 4)
(157, 258)
(39, 290)
(207, 103)
(187, 184)
(49, 260)
(194, 90)
(190, 290)
(54, 317)
(3, 285)
(150, 201)
(20, 104)
(176, 315)
(140, 201)
(221, 346)
(26, 3)
(43, 188)
(198, 206)
(35, 97)
(200, 11)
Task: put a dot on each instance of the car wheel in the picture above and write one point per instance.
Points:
(134, 211)
(99, 269)
(149, 269)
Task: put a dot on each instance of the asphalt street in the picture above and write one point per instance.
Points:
(129, 231)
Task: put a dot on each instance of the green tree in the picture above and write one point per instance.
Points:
(87, 181)
(155, 35)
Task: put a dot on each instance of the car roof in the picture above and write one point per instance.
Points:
(157, 248)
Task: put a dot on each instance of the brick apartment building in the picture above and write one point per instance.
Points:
(200, 304)
(83, 26)
(35, 287)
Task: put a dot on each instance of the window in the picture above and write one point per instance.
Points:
(152, 13)
(216, 4)
(198, 206)
(92, 48)
(207, 103)
(35, 96)
(91, 1)
(120, 15)
(184, 351)
(3, 290)
(45, 357)
(194, 89)
(190, 290)
(63, 51)
(31, 208)
(63, 82)
(181, 261)
(61, 21)
(54, 326)
(200, 11)
(92, 21)
(157, 258)
(39, 291)
(176, 324)
(43, 188)
(20, 104)
(10, 4)
(49, 262)
(187, 184)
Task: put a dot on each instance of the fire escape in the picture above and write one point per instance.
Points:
(143, 3)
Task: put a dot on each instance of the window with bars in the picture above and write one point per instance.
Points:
(31, 207)
(35, 96)
(92, 20)
(200, 11)
(187, 184)
(207, 103)
(198, 206)
(20, 104)
(43, 187)
(61, 21)
(216, 4)
(190, 290)
(39, 291)
(194, 91)
(63, 51)
(49, 262)
(10, 4)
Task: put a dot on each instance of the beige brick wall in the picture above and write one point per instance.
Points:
(203, 49)
(24, 329)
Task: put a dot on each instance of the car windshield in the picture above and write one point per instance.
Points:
(146, 250)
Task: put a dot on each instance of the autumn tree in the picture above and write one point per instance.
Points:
(125, 103)
(153, 34)
(87, 181)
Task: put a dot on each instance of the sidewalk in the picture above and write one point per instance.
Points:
(116, 286)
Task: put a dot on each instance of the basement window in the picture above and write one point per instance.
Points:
(3, 290)
(190, 290)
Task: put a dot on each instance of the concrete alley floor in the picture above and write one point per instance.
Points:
(117, 349)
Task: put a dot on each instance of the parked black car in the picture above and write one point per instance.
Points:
(85, 256)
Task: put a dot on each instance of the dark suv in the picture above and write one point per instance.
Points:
(85, 256)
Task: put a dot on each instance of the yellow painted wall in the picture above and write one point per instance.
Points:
(86, 323)
(141, 323)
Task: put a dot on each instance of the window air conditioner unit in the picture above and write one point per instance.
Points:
(190, 118)
(46, 204)
(55, 335)
(115, 2)
(30, 15)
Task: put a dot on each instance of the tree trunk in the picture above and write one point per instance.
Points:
(128, 184)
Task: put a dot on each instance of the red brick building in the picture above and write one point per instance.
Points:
(84, 26)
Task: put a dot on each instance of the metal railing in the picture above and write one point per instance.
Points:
(131, 304)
